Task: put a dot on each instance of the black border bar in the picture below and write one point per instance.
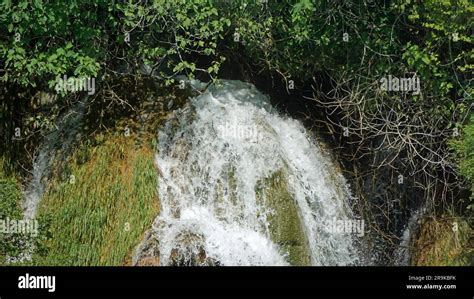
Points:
(243, 282)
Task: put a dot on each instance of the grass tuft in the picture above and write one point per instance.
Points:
(444, 241)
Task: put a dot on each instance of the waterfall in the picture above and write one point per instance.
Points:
(402, 253)
(57, 141)
(218, 159)
(60, 139)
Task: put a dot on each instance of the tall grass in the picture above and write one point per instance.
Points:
(99, 210)
(444, 241)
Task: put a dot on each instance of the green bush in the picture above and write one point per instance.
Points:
(10, 197)
(464, 149)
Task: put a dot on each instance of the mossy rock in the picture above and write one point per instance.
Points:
(286, 228)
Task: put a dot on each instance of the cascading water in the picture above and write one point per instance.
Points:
(402, 254)
(213, 157)
(58, 139)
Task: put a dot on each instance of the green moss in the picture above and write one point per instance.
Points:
(286, 228)
(99, 210)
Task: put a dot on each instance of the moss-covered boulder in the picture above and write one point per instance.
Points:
(286, 228)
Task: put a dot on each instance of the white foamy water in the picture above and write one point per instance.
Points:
(212, 156)
(402, 254)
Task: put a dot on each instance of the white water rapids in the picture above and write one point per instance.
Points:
(211, 156)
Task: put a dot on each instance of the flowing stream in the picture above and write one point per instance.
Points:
(225, 162)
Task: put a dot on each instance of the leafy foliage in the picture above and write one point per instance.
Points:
(10, 244)
(465, 154)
